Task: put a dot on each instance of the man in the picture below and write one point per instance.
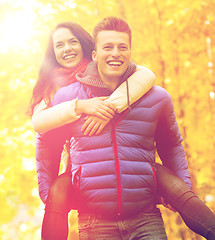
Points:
(114, 171)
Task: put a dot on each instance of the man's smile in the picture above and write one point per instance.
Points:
(115, 63)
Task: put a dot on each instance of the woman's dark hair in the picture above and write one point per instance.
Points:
(44, 86)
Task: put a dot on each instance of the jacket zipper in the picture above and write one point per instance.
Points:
(155, 178)
(117, 171)
(117, 165)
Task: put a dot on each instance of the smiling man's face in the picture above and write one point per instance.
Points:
(67, 48)
(113, 53)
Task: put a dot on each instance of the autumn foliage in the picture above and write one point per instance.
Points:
(175, 39)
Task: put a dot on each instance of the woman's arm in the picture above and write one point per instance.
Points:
(45, 119)
(139, 83)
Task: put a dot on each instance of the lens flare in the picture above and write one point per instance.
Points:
(16, 27)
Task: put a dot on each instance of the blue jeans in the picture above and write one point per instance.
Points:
(197, 216)
(148, 226)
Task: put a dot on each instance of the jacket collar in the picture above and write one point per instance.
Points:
(91, 75)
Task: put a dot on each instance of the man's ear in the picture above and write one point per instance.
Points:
(94, 56)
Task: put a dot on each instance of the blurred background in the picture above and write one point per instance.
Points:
(175, 39)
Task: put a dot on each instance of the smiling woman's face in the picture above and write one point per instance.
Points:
(67, 48)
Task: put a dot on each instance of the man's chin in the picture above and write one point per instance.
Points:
(116, 72)
(115, 75)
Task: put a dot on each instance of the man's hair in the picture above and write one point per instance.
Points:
(111, 24)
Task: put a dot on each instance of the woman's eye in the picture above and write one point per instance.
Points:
(107, 47)
(73, 42)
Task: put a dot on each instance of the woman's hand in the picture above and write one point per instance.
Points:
(96, 106)
(94, 125)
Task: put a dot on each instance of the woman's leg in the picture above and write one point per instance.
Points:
(55, 221)
(197, 216)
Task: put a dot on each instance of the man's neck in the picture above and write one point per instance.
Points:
(110, 83)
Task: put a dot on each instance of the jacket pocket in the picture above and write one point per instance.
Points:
(76, 180)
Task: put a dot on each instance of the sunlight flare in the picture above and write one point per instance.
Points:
(16, 27)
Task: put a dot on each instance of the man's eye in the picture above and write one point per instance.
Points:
(123, 48)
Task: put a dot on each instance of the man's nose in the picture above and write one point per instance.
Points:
(115, 52)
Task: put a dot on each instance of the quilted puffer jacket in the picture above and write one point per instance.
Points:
(114, 171)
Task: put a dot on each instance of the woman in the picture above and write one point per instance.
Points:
(59, 200)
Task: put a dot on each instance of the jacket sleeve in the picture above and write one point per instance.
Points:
(169, 142)
(45, 119)
(48, 154)
(139, 83)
